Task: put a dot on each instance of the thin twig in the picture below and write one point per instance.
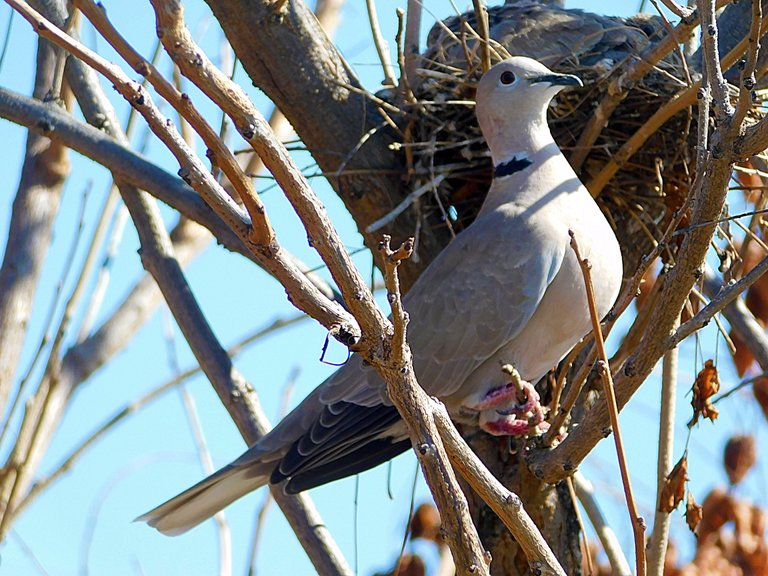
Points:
(140, 403)
(709, 192)
(657, 543)
(304, 295)
(201, 447)
(586, 495)
(747, 76)
(411, 53)
(231, 98)
(382, 49)
(724, 297)
(674, 105)
(219, 154)
(28, 552)
(638, 525)
(404, 91)
(624, 79)
(406, 202)
(682, 12)
(584, 538)
(261, 514)
(481, 16)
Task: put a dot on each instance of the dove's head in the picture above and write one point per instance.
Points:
(512, 100)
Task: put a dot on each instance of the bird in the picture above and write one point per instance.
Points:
(508, 290)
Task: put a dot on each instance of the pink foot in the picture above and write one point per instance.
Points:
(507, 399)
(501, 396)
(506, 426)
(504, 413)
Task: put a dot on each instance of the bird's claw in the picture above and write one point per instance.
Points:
(511, 410)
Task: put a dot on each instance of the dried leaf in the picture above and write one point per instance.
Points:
(409, 565)
(760, 390)
(757, 295)
(693, 512)
(742, 356)
(750, 181)
(739, 456)
(707, 385)
(717, 509)
(674, 486)
(426, 523)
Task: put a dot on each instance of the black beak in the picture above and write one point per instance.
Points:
(557, 80)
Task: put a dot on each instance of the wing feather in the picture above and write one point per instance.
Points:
(474, 298)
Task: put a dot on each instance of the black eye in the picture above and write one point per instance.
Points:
(507, 78)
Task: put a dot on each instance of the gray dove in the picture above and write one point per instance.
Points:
(508, 290)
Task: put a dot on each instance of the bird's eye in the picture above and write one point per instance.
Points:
(507, 78)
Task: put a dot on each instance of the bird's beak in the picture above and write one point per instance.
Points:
(557, 80)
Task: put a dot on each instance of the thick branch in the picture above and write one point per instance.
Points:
(235, 391)
(299, 510)
(29, 234)
(507, 505)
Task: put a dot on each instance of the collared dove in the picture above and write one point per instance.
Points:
(508, 290)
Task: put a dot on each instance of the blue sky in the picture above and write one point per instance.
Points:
(152, 456)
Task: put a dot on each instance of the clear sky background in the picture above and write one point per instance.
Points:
(83, 523)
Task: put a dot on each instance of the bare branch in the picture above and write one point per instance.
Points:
(742, 320)
(659, 538)
(708, 192)
(261, 232)
(724, 297)
(29, 234)
(304, 295)
(504, 503)
(586, 495)
(638, 524)
(747, 76)
(382, 49)
(678, 103)
(481, 16)
(682, 12)
(414, 406)
(232, 99)
(625, 78)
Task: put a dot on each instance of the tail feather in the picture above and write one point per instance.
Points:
(204, 499)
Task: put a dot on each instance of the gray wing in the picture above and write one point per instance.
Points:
(475, 297)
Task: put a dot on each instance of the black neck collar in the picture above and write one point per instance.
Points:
(511, 166)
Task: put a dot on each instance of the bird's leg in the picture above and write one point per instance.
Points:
(513, 409)
(515, 391)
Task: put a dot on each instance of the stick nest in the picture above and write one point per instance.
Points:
(448, 157)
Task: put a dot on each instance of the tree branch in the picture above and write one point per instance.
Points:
(507, 505)
(231, 98)
(333, 137)
(29, 234)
